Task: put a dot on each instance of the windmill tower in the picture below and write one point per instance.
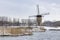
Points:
(39, 16)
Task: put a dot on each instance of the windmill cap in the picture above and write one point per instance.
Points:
(39, 16)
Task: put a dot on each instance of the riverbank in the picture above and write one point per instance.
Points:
(15, 31)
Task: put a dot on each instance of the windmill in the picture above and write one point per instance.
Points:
(39, 16)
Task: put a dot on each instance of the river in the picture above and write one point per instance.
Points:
(48, 35)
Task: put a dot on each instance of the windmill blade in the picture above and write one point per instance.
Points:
(45, 14)
(38, 9)
(33, 16)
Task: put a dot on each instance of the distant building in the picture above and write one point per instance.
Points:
(5, 21)
(28, 22)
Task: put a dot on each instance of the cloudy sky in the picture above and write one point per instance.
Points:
(24, 8)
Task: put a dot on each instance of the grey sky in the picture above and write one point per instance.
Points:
(25, 8)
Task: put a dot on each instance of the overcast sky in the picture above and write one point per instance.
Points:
(24, 8)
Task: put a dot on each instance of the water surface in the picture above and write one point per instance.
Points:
(48, 35)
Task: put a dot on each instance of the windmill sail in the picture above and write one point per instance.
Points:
(38, 9)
